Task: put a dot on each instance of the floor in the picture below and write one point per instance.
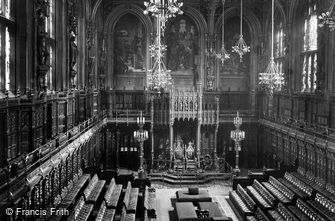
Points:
(165, 197)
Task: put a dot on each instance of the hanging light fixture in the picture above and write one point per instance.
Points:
(241, 47)
(163, 10)
(159, 77)
(223, 54)
(272, 78)
(328, 18)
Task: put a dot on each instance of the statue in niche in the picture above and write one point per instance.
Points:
(73, 52)
(182, 48)
(42, 49)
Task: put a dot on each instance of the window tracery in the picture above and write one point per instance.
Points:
(310, 47)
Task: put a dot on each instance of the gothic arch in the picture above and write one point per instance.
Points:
(95, 9)
(293, 11)
(202, 27)
(279, 12)
(112, 19)
(255, 31)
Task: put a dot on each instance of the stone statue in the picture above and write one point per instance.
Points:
(73, 50)
(42, 49)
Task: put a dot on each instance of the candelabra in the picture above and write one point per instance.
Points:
(141, 135)
(237, 135)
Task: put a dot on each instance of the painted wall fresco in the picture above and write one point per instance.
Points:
(182, 45)
(233, 66)
(129, 45)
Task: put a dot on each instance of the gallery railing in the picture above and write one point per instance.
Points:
(122, 101)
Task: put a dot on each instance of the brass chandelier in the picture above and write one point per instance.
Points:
(223, 54)
(159, 78)
(272, 79)
(328, 18)
(241, 47)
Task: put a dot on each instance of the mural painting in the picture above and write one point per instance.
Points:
(182, 45)
(233, 66)
(129, 45)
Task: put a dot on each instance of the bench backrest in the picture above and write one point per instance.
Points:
(90, 186)
(258, 186)
(127, 195)
(110, 189)
(79, 205)
(246, 198)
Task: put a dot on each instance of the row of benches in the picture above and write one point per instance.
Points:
(108, 208)
(280, 199)
(89, 200)
(88, 195)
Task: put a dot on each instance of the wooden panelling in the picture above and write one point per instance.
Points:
(315, 156)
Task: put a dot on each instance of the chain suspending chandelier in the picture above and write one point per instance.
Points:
(159, 78)
(241, 47)
(272, 78)
(223, 54)
(328, 18)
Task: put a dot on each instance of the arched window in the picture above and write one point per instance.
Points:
(279, 46)
(309, 47)
(50, 29)
(6, 46)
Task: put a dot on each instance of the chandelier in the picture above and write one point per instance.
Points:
(223, 54)
(159, 77)
(241, 47)
(328, 18)
(163, 10)
(272, 78)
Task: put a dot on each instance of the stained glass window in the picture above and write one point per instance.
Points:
(279, 41)
(5, 8)
(50, 29)
(6, 45)
(279, 45)
(310, 47)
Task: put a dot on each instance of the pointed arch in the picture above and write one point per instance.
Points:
(255, 31)
(109, 27)
(202, 27)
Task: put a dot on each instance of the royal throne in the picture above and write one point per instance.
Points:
(191, 164)
(179, 158)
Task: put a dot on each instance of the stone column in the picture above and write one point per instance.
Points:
(198, 142)
(117, 147)
(152, 146)
(171, 141)
(152, 132)
(216, 146)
